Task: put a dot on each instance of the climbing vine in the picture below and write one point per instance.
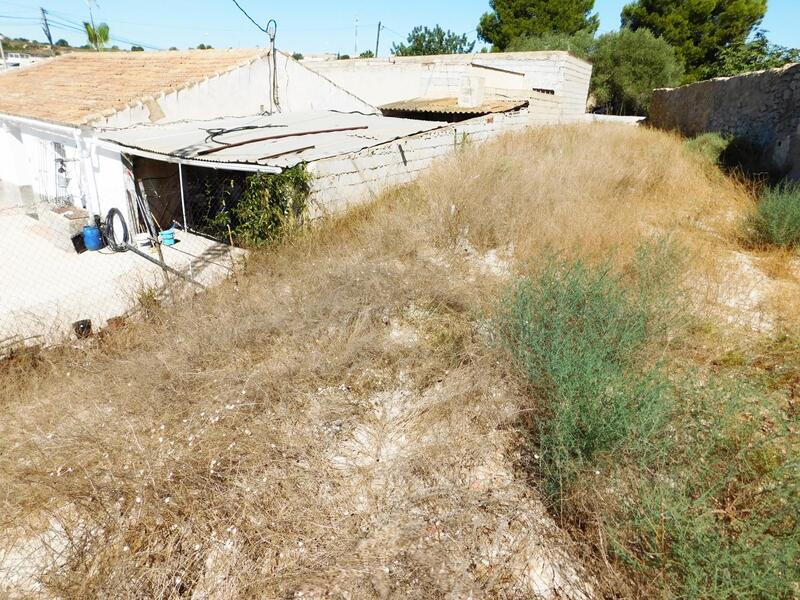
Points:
(271, 205)
(257, 209)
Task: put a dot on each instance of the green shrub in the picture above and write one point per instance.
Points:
(253, 210)
(628, 66)
(690, 484)
(710, 146)
(719, 511)
(776, 219)
(736, 155)
(271, 205)
(579, 333)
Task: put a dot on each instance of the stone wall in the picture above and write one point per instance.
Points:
(762, 108)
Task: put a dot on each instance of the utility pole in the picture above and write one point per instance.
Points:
(91, 20)
(378, 40)
(355, 52)
(46, 29)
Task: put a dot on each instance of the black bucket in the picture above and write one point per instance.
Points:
(83, 328)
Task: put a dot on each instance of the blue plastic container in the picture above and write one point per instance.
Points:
(167, 237)
(92, 238)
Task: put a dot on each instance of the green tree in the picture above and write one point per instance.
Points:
(423, 41)
(367, 54)
(628, 66)
(754, 55)
(699, 30)
(98, 36)
(137, 49)
(62, 43)
(580, 44)
(512, 19)
(297, 56)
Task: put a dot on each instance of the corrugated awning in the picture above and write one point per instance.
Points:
(450, 106)
(280, 140)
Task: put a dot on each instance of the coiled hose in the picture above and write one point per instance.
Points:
(109, 235)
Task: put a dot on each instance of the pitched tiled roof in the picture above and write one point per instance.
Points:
(78, 88)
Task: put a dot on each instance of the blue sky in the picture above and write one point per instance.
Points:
(308, 26)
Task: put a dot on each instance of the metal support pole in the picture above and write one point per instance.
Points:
(378, 39)
(183, 199)
(183, 209)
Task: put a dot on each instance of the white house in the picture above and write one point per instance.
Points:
(74, 130)
(51, 114)
(85, 133)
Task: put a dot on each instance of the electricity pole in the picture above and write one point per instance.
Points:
(46, 29)
(378, 40)
(355, 52)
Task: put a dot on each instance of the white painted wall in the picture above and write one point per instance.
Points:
(28, 158)
(385, 80)
(14, 167)
(241, 92)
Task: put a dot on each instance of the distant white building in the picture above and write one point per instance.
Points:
(15, 60)
(470, 80)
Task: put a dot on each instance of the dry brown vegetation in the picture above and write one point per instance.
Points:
(337, 421)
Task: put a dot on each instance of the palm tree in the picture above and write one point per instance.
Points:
(98, 36)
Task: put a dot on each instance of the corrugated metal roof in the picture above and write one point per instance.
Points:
(280, 140)
(451, 106)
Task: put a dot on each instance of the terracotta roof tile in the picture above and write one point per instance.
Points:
(77, 88)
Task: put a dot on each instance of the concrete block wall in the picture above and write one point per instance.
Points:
(345, 181)
(761, 107)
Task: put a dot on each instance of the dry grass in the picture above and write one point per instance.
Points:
(337, 422)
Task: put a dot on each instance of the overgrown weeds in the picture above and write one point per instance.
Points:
(710, 146)
(580, 334)
(691, 488)
(775, 221)
(336, 423)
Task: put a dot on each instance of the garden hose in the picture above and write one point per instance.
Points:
(110, 235)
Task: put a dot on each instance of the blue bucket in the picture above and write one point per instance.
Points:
(167, 237)
(92, 238)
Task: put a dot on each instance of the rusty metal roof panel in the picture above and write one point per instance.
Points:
(451, 106)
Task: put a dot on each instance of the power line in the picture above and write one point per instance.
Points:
(252, 20)
(19, 18)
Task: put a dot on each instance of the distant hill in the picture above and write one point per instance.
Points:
(37, 48)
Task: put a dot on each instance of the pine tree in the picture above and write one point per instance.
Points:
(699, 30)
(511, 19)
